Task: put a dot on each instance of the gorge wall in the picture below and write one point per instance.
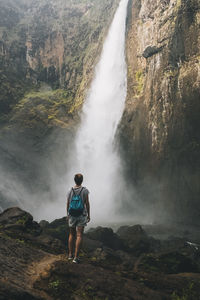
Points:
(48, 51)
(159, 131)
(47, 45)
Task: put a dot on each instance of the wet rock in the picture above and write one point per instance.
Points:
(90, 245)
(43, 223)
(135, 239)
(106, 258)
(15, 215)
(18, 225)
(16, 256)
(106, 236)
(16, 220)
(150, 51)
(168, 263)
(49, 244)
(58, 229)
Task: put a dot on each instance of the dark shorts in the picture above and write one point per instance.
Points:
(80, 221)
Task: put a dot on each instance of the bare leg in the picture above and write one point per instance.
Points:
(79, 235)
(72, 233)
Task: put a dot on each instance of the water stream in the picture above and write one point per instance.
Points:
(96, 157)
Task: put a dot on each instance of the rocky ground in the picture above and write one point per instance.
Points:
(128, 264)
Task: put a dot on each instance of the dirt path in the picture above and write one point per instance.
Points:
(41, 269)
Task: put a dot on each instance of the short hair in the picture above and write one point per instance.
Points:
(78, 178)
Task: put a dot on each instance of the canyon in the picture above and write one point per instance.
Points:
(48, 54)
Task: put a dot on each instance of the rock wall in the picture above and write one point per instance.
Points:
(159, 131)
(47, 45)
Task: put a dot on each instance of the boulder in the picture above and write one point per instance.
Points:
(90, 245)
(106, 258)
(150, 51)
(58, 229)
(49, 244)
(106, 236)
(17, 220)
(135, 239)
(43, 223)
(15, 215)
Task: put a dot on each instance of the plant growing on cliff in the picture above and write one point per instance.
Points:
(139, 77)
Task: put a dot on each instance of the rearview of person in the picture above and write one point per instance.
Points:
(78, 215)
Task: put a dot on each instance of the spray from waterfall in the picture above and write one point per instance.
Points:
(95, 154)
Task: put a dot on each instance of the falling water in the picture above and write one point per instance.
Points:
(96, 157)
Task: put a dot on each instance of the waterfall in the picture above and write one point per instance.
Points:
(95, 155)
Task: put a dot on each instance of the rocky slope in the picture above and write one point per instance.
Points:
(48, 45)
(128, 264)
(159, 131)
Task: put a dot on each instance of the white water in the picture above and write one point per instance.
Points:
(96, 157)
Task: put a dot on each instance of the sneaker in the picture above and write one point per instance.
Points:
(76, 260)
(70, 257)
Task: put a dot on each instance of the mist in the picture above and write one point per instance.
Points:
(93, 153)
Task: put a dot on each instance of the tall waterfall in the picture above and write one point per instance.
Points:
(96, 157)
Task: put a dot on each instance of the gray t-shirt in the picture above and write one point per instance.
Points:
(83, 194)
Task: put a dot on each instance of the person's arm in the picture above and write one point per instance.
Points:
(67, 205)
(87, 204)
(68, 197)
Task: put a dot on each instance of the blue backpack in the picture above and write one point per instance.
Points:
(76, 205)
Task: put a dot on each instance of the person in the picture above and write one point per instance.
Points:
(77, 223)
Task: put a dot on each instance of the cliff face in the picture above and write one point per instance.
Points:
(47, 45)
(159, 131)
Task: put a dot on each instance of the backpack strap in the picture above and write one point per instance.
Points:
(81, 191)
(71, 194)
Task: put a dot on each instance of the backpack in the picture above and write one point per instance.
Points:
(76, 205)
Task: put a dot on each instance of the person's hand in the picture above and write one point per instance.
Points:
(88, 219)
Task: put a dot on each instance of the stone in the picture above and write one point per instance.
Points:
(106, 236)
(58, 229)
(150, 51)
(90, 245)
(135, 239)
(17, 220)
(43, 223)
(15, 215)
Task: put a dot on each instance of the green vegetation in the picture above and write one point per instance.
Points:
(20, 241)
(178, 3)
(139, 77)
(190, 292)
(55, 284)
(58, 51)
(49, 108)
(23, 220)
